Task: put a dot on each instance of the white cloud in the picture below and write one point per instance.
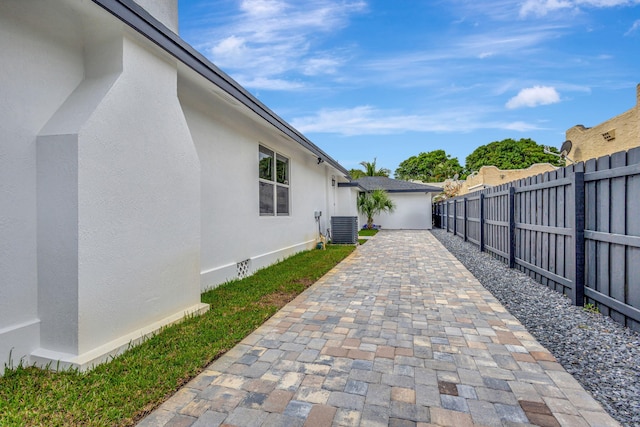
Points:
(507, 41)
(607, 3)
(317, 66)
(269, 84)
(229, 47)
(262, 8)
(362, 120)
(534, 96)
(483, 55)
(367, 120)
(272, 39)
(544, 7)
(635, 27)
(449, 60)
(476, 12)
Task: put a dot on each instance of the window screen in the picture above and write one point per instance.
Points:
(273, 177)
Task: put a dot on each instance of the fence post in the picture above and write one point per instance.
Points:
(464, 219)
(512, 227)
(434, 214)
(455, 217)
(446, 215)
(577, 296)
(481, 222)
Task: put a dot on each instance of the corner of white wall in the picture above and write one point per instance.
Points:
(58, 360)
(165, 11)
(124, 245)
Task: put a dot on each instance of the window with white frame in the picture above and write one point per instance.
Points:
(273, 177)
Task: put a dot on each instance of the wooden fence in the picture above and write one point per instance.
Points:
(575, 230)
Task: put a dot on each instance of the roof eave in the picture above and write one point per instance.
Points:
(351, 184)
(413, 191)
(140, 20)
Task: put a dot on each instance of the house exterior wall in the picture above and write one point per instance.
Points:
(128, 183)
(491, 176)
(232, 228)
(347, 201)
(412, 212)
(104, 189)
(33, 48)
(165, 11)
(591, 143)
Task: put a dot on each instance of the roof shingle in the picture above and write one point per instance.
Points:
(370, 183)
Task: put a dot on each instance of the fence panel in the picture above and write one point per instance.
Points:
(612, 236)
(553, 238)
(545, 210)
(473, 219)
(438, 214)
(592, 247)
(574, 227)
(496, 222)
(460, 217)
(617, 225)
(534, 232)
(633, 229)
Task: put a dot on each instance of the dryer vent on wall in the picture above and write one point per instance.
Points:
(344, 229)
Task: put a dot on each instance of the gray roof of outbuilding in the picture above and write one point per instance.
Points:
(370, 183)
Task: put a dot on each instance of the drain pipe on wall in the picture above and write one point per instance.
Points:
(322, 240)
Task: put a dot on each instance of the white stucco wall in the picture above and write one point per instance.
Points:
(347, 201)
(101, 240)
(412, 212)
(38, 40)
(232, 228)
(127, 185)
(165, 11)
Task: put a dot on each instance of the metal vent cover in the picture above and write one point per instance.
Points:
(344, 229)
(242, 269)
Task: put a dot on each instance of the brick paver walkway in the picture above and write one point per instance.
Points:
(398, 334)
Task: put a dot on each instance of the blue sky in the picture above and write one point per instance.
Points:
(384, 79)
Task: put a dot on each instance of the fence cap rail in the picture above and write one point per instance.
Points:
(612, 173)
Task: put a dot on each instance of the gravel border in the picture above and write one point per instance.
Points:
(601, 354)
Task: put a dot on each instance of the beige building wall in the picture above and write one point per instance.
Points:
(617, 134)
(490, 176)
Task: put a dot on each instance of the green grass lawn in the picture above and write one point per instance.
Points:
(122, 391)
(367, 232)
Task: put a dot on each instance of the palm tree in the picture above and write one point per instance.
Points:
(356, 173)
(370, 169)
(373, 203)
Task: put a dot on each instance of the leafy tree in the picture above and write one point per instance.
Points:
(511, 154)
(373, 203)
(370, 169)
(433, 166)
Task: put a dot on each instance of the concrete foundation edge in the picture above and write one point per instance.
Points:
(24, 338)
(61, 361)
(214, 277)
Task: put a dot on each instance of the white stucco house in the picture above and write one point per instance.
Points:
(412, 201)
(133, 175)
